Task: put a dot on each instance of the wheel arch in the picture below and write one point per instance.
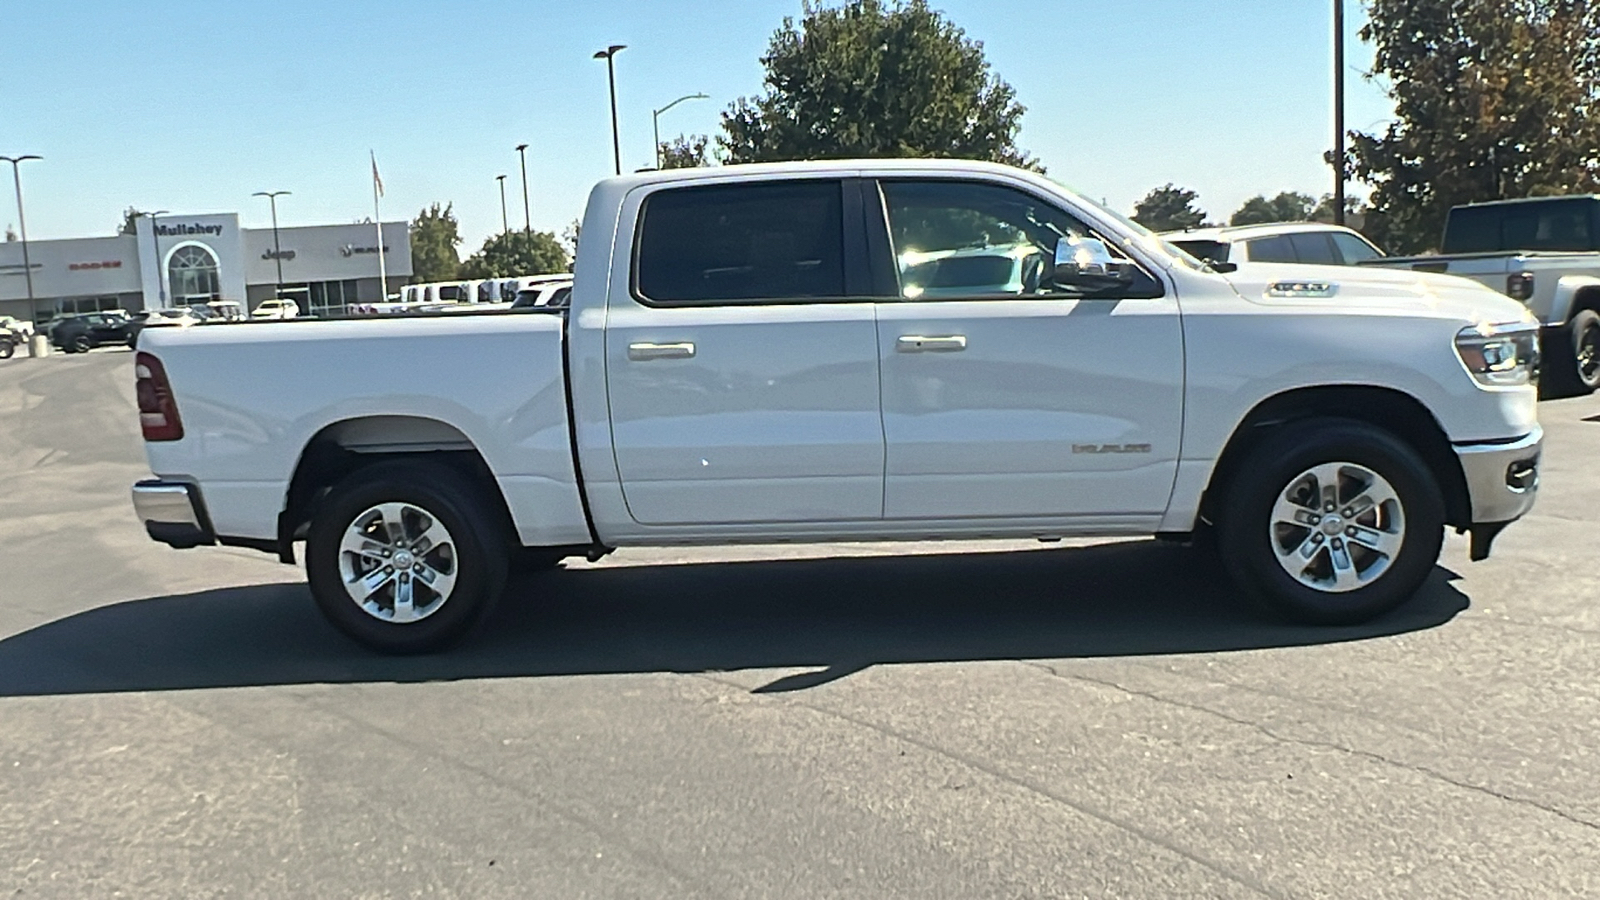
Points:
(1392, 410)
(342, 448)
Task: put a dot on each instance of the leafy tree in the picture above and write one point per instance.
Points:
(569, 237)
(1288, 206)
(1169, 208)
(516, 253)
(434, 236)
(685, 152)
(11, 235)
(130, 221)
(1493, 98)
(874, 78)
(1354, 210)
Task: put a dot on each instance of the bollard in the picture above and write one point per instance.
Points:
(39, 345)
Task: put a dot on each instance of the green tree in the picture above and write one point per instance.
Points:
(1169, 208)
(1354, 210)
(435, 233)
(685, 152)
(516, 253)
(1288, 206)
(569, 237)
(130, 221)
(1493, 99)
(872, 78)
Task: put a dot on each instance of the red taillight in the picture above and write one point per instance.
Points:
(1519, 286)
(158, 409)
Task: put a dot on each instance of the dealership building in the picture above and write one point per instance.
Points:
(178, 260)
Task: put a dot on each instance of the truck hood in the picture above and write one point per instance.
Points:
(1358, 288)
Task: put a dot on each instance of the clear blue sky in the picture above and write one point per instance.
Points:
(192, 106)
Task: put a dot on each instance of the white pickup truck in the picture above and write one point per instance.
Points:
(1543, 252)
(878, 350)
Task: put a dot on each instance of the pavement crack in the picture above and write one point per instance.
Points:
(1214, 866)
(1326, 745)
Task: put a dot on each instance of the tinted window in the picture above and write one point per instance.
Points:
(777, 241)
(1353, 249)
(1544, 225)
(1315, 248)
(1271, 250)
(1210, 251)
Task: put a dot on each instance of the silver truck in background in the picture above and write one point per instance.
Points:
(1545, 253)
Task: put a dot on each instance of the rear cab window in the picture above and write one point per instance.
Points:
(1564, 225)
(742, 243)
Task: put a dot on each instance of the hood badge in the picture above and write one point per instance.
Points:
(1312, 290)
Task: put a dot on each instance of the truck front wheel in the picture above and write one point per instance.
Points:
(405, 557)
(1331, 522)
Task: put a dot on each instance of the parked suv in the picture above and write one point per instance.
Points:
(1310, 243)
(80, 334)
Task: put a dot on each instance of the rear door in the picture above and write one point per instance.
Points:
(741, 360)
(1003, 396)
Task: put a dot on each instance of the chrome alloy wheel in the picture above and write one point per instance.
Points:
(1337, 527)
(398, 563)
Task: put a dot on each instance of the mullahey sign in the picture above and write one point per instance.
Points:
(187, 230)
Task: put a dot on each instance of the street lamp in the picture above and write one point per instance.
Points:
(1338, 112)
(655, 120)
(277, 251)
(155, 244)
(22, 221)
(611, 78)
(504, 225)
(527, 220)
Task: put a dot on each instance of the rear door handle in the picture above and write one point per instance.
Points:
(941, 343)
(646, 351)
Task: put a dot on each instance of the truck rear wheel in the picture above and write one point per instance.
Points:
(405, 557)
(1331, 522)
(1573, 365)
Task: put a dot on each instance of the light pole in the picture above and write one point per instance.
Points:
(504, 225)
(22, 221)
(1338, 112)
(155, 244)
(277, 251)
(611, 78)
(655, 120)
(527, 220)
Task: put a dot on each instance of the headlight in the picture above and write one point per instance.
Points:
(1505, 355)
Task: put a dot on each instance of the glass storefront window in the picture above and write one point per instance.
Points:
(192, 274)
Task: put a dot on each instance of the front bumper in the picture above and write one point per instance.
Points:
(173, 513)
(1502, 483)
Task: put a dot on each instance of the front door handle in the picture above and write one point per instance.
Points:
(920, 343)
(683, 350)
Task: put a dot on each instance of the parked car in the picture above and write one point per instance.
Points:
(550, 294)
(82, 333)
(1311, 243)
(741, 363)
(276, 309)
(18, 327)
(1543, 252)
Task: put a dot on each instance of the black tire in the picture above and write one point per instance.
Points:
(479, 555)
(1572, 359)
(81, 344)
(6, 349)
(1246, 537)
(528, 560)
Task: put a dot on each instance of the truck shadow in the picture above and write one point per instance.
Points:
(836, 616)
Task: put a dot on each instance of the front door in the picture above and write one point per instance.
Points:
(1003, 396)
(742, 377)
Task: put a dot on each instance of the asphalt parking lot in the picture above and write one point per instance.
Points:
(1080, 720)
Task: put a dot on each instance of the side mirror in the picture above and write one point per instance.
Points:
(1086, 265)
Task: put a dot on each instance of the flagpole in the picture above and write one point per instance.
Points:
(377, 191)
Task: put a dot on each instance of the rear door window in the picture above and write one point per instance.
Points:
(742, 243)
(1271, 250)
(1314, 247)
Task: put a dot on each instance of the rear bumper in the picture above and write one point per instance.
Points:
(173, 513)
